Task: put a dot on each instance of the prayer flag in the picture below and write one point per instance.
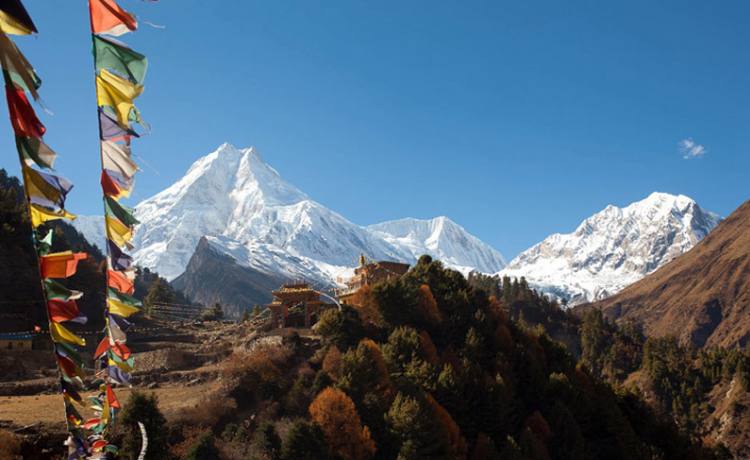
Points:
(118, 93)
(60, 264)
(119, 308)
(32, 149)
(19, 70)
(115, 185)
(120, 281)
(112, 398)
(113, 208)
(117, 57)
(62, 310)
(22, 115)
(108, 18)
(57, 291)
(61, 334)
(41, 214)
(49, 188)
(118, 260)
(117, 232)
(110, 129)
(14, 19)
(116, 157)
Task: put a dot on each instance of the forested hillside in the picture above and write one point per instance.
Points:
(429, 367)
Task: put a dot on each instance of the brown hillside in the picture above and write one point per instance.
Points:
(702, 297)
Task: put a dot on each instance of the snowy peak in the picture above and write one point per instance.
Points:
(614, 248)
(443, 239)
(241, 203)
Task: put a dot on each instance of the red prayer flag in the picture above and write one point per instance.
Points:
(108, 18)
(62, 310)
(112, 398)
(121, 350)
(91, 423)
(22, 115)
(68, 367)
(120, 282)
(102, 347)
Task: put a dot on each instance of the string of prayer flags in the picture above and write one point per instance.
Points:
(119, 74)
(45, 195)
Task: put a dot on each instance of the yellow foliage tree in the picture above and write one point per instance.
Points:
(337, 416)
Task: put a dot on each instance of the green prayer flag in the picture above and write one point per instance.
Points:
(71, 353)
(124, 214)
(115, 56)
(44, 244)
(124, 298)
(32, 148)
(56, 290)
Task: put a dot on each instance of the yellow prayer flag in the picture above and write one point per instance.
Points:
(60, 333)
(13, 26)
(119, 233)
(40, 215)
(118, 93)
(120, 308)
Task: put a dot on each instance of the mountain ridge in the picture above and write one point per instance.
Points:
(701, 297)
(613, 248)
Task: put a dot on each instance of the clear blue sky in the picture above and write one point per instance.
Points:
(516, 119)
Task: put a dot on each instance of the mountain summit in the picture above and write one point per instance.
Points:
(245, 209)
(613, 248)
(442, 238)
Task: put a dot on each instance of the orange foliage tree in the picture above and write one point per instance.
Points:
(450, 428)
(332, 362)
(337, 416)
(367, 306)
(428, 305)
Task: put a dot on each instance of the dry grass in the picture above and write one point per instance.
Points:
(48, 409)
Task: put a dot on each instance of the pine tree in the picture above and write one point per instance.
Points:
(144, 408)
(304, 441)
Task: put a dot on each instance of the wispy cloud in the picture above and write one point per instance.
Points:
(691, 149)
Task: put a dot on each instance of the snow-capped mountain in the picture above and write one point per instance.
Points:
(250, 213)
(92, 227)
(442, 238)
(613, 248)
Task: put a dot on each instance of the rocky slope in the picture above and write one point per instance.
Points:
(702, 297)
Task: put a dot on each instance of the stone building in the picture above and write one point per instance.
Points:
(368, 273)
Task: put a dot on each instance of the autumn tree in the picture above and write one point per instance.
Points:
(336, 415)
(332, 362)
(428, 306)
